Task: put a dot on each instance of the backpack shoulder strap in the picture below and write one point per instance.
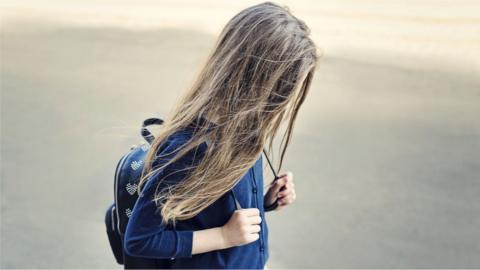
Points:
(237, 204)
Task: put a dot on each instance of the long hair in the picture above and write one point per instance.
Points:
(257, 75)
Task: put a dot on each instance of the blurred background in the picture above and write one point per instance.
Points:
(386, 151)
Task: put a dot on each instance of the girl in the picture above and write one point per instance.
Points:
(201, 201)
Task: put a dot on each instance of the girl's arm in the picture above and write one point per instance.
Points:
(146, 234)
(145, 238)
(208, 240)
(242, 228)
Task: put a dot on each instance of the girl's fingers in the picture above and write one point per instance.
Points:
(285, 179)
(283, 189)
(286, 200)
(253, 237)
(288, 176)
(285, 192)
(250, 211)
(255, 220)
(278, 184)
(254, 228)
(288, 190)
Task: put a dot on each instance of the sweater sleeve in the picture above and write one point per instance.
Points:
(146, 235)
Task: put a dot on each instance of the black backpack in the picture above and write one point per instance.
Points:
(127, 176)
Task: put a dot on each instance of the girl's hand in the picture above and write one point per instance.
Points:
(283, 189)
(242, 228)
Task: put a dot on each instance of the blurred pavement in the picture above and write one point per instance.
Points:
(386, 152)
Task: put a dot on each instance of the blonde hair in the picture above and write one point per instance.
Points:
(256, 76)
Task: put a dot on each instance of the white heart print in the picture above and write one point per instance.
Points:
(131, 188)
(128, 212)
(136, 164)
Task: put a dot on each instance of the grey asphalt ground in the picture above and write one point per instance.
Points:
(386, 158)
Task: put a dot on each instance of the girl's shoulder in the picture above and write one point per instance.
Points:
(174, 171)
(172, 145)
(181, 137)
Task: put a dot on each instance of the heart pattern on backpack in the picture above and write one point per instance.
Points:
(131, 188)
(136, 164)
(128, 212)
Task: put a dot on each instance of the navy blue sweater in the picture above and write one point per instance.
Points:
(155, 245)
